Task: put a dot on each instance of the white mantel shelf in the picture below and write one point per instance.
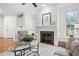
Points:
(44, 26)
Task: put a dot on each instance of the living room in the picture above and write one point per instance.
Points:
(51, 23)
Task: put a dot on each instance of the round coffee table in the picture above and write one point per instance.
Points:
(20, 48)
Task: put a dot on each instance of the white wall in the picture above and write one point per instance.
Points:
(29, 23)
(48, 9)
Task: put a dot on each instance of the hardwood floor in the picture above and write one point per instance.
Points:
(5, 44)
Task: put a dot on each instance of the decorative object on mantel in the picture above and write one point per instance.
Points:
(46, 19)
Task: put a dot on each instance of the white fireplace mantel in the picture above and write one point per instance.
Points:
(45, 28)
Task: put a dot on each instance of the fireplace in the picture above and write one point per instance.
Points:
(47, 37)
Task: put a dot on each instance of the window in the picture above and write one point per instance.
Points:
(71, 20)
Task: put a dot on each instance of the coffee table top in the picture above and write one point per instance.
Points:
(20, 46)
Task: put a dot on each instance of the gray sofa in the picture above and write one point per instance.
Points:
(73, 51)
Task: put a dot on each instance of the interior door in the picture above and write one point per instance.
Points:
(9, 26)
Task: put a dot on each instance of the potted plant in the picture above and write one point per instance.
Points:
(28, 38)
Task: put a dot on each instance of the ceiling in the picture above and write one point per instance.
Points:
(18, 8)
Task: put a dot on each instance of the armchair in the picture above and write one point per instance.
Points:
(22, 34)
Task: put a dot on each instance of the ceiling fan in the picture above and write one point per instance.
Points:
(34, 4)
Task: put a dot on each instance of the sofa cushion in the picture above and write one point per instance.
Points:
(61, 51)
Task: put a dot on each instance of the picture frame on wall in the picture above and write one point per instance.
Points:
(46, 19)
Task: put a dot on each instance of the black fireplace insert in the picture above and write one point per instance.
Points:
(47, 37)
